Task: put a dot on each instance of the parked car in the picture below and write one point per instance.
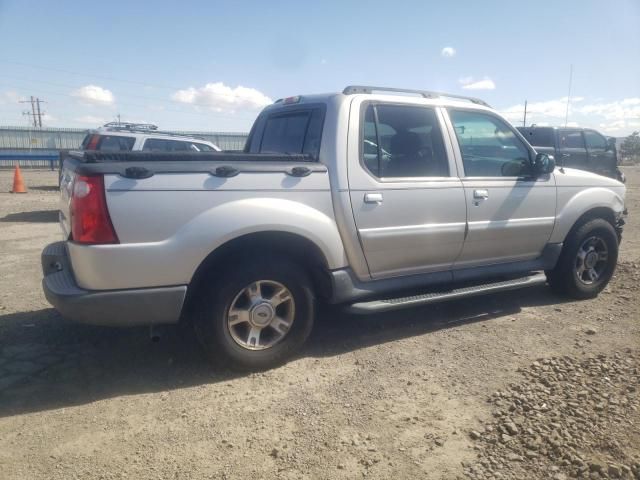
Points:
(134, 137)
(144, 137)
(581, 148)
(363, 198)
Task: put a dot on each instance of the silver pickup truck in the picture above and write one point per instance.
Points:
(372, 198)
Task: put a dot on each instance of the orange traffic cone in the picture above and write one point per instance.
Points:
(18, 181)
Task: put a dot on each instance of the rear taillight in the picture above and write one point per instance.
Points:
(92, 144)
(90, 221)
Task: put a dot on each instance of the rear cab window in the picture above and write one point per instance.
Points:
(572, 139)
(288, 130)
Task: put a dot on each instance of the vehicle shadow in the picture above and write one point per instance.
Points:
(47, 362)
(45, 188)
(37, 216)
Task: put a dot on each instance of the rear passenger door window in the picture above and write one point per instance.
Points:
(571, 139)
(489, 146)
(403, 141)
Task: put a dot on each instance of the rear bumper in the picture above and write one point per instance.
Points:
(131, 307)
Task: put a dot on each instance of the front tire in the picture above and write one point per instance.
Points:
(256, 313)
(587, 262)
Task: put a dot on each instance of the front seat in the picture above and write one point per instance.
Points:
(408, 157)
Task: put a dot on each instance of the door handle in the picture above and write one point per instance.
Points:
(481, 194)
(373, 198)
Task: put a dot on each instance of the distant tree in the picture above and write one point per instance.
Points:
(630, 148)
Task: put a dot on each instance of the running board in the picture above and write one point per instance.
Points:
(376, 306)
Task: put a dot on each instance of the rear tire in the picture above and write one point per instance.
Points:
(255, 313)
(587, 262)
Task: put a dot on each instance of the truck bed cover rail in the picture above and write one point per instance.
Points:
(103, 157)
(220, 164)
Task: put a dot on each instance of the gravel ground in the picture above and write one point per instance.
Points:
(515, 385)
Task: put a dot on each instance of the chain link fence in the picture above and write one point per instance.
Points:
(40, 147)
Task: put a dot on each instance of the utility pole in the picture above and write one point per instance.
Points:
(524, 121)
(36, 113)
(38, 102)
(33, 110)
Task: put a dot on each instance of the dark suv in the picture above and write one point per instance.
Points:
(580, 148)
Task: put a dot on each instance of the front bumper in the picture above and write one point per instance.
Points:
(131, 307)
(621, 220)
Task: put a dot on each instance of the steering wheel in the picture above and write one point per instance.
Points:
(513, 168)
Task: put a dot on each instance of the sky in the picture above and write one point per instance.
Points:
(213, 65)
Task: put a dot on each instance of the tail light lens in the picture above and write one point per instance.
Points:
(90, 221)
(92, 144)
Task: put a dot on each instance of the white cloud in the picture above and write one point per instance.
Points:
(91, 120)
(323, 61)
(94, 95)
(9, 97)
(628, 108)
(448, 52)
(469, 83)
(610, 117)
(550, 108)
(220, 97)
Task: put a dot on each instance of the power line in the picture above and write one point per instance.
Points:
(102, 77)
(142, 97)
(138, 105)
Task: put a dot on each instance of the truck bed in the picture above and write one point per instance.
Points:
(170, 211)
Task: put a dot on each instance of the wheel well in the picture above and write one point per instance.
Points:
(599, 212)
(303, 250)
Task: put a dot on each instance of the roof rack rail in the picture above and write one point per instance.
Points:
(131, 126)
(148, 128)
(353, 89)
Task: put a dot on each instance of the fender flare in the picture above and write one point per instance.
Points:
(240, 218)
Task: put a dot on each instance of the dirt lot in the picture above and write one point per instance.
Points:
(515, 385)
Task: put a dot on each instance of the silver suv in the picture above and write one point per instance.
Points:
(144, 137)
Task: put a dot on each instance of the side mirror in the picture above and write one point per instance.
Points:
(543, 164)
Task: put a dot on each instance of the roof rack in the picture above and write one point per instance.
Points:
(131, 126)
(148, 128)
(353, 89)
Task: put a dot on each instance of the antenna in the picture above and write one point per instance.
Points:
(524, 120)
(566, 116)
